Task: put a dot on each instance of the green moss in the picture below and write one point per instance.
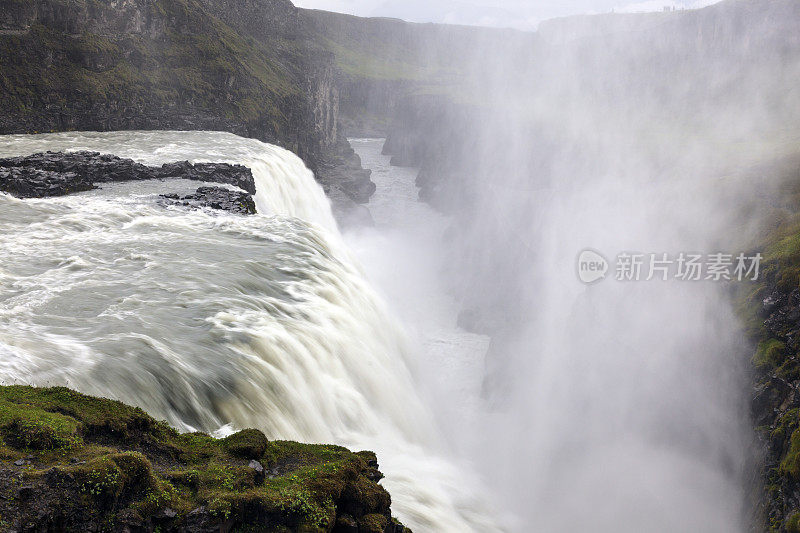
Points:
(780, 270)
(785, 425)
(101, 478)
(67, 412)
(120, 458)
(769, 352)
(187, 477)
(791, 461)
(373, 523)
(25, 428)
(793, 523)
(247, 444)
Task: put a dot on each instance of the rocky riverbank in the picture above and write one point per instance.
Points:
(70, 462)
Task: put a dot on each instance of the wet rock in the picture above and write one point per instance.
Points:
(340, 174)
(216, 198)
(236, 175)
(33, 183)
(258, 468)
(49, 174)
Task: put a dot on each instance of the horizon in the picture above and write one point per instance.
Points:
(515, 14)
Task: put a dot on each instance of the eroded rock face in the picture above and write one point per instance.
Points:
(49, 174)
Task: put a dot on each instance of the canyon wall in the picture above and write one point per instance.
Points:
(245, 67)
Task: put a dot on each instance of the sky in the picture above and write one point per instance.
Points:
(521, 14)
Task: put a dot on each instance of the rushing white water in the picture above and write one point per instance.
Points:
(208, 319)
(284, 186)
(402, 256)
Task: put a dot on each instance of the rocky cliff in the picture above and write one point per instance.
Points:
(381, 61)
(770, 312)
(246, 67)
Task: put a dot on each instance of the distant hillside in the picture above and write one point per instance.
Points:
(380, 61)
(87, 64)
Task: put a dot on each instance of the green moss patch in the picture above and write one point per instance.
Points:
(247, 444)
(769, 353)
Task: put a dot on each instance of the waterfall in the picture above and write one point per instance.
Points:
(211, 320)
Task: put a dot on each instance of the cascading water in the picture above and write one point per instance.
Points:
(402, 256)
(209, 319)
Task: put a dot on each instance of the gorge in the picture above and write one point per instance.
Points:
(315, 227)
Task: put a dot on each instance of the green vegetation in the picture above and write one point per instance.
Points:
(780, 274)
(793, 523)
(110, 461)
(247, 444)
(769, 353)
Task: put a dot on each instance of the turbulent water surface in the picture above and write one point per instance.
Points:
(211, 320)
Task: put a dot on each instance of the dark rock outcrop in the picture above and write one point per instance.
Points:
(56, 174)
(216, 198)
(342, 173)
(34, 183)
(236, 175)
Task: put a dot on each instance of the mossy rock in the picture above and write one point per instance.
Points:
(247, 444)
(87, 461)
(769, 353)
(793, 523)
(791, 461)
(373, 523)
(46, 432)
